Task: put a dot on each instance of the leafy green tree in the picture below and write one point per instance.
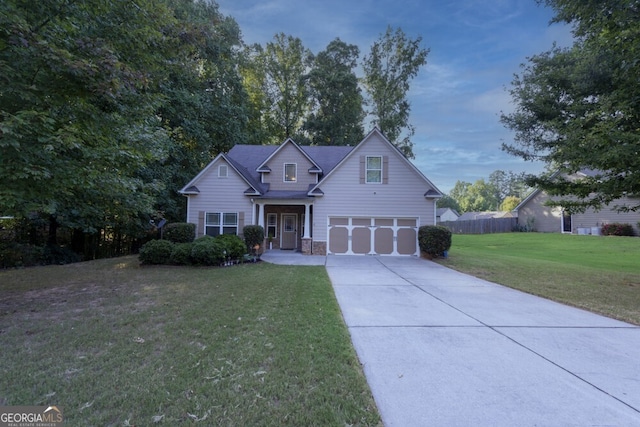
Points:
(448, 202)
(205, 106)
(509, 184)
(78, 92)
(336, 116)
(477, 197)
(578, 108)
(394, 60)
(285, 87)
(509, 203)
(252, 70)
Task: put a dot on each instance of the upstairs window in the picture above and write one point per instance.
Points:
(290, 172)
(373, 171)
(223, 171)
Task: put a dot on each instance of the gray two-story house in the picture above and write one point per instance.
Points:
(362, 200)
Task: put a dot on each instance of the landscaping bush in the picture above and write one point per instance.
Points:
(179, 232)
(19, 255)
(54, 254)
(253, 235)
(617, 229)
(233, 246)
(434, 240)
(156, 252)
(207, 250)
(181, 253)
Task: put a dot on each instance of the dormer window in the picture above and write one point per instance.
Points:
(290, 172)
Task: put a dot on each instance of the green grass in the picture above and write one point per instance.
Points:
(600, 274)
(117, 344)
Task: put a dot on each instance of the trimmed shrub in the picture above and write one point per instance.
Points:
(253, 235)
(207, 250)
(617, 229)
(181, 253)
(233, 246)
(434, 240)
(179, 232)
(156, 252)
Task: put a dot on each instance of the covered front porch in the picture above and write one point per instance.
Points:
(286, 223)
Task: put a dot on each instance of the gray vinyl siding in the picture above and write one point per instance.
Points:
(545, 218)
(344, 195)
(607, 215)
(289, 154)
(220, 195)
(549, 219)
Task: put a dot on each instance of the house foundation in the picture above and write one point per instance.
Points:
(319, 248)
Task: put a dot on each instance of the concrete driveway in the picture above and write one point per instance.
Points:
(441, 348)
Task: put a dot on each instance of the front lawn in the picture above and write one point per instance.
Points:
(598, 273)
(116, 344)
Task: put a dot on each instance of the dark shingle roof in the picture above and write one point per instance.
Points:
(247, 159)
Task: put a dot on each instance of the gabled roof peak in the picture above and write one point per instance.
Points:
(262, 167)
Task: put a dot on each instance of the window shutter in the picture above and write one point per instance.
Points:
(240, 223)
(385, 169)
(362, 169)
(200, 229)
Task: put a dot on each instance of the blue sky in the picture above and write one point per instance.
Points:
(475, 46)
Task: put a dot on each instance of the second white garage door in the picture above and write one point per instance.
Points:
(373, 236)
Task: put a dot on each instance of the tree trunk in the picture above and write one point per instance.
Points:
(52, 239)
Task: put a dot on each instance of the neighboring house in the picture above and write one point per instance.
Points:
(446, 214)
(366, 200)
(532, 211)
(469, 216)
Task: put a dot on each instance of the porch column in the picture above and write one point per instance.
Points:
(261, 214)
(307, 222)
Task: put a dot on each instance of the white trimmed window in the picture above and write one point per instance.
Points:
(290, 172)
(272, 225)
(223, 171)
(373, 172)
(217, 223)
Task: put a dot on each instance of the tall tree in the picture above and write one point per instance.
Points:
(477, 197)
(509, 184)
(394, 60)
(579, 108)
(336, 102)
(448, 202)
(78, 91)
(510, 203)
(286, 91)
(252, 70)
(204, 105)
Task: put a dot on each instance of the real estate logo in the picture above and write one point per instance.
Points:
(31, 416)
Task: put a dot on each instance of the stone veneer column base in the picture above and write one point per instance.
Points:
(306, 246)
(319, 248)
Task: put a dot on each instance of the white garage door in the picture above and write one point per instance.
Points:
(373, 236)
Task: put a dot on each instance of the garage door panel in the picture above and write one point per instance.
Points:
(383, 241)
(388, 236)
(338, 221)
(361, 240)
(406, 222)
(338, 240)
(407, 241)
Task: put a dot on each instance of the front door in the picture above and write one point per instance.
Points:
(289, 231)
(566, 222)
